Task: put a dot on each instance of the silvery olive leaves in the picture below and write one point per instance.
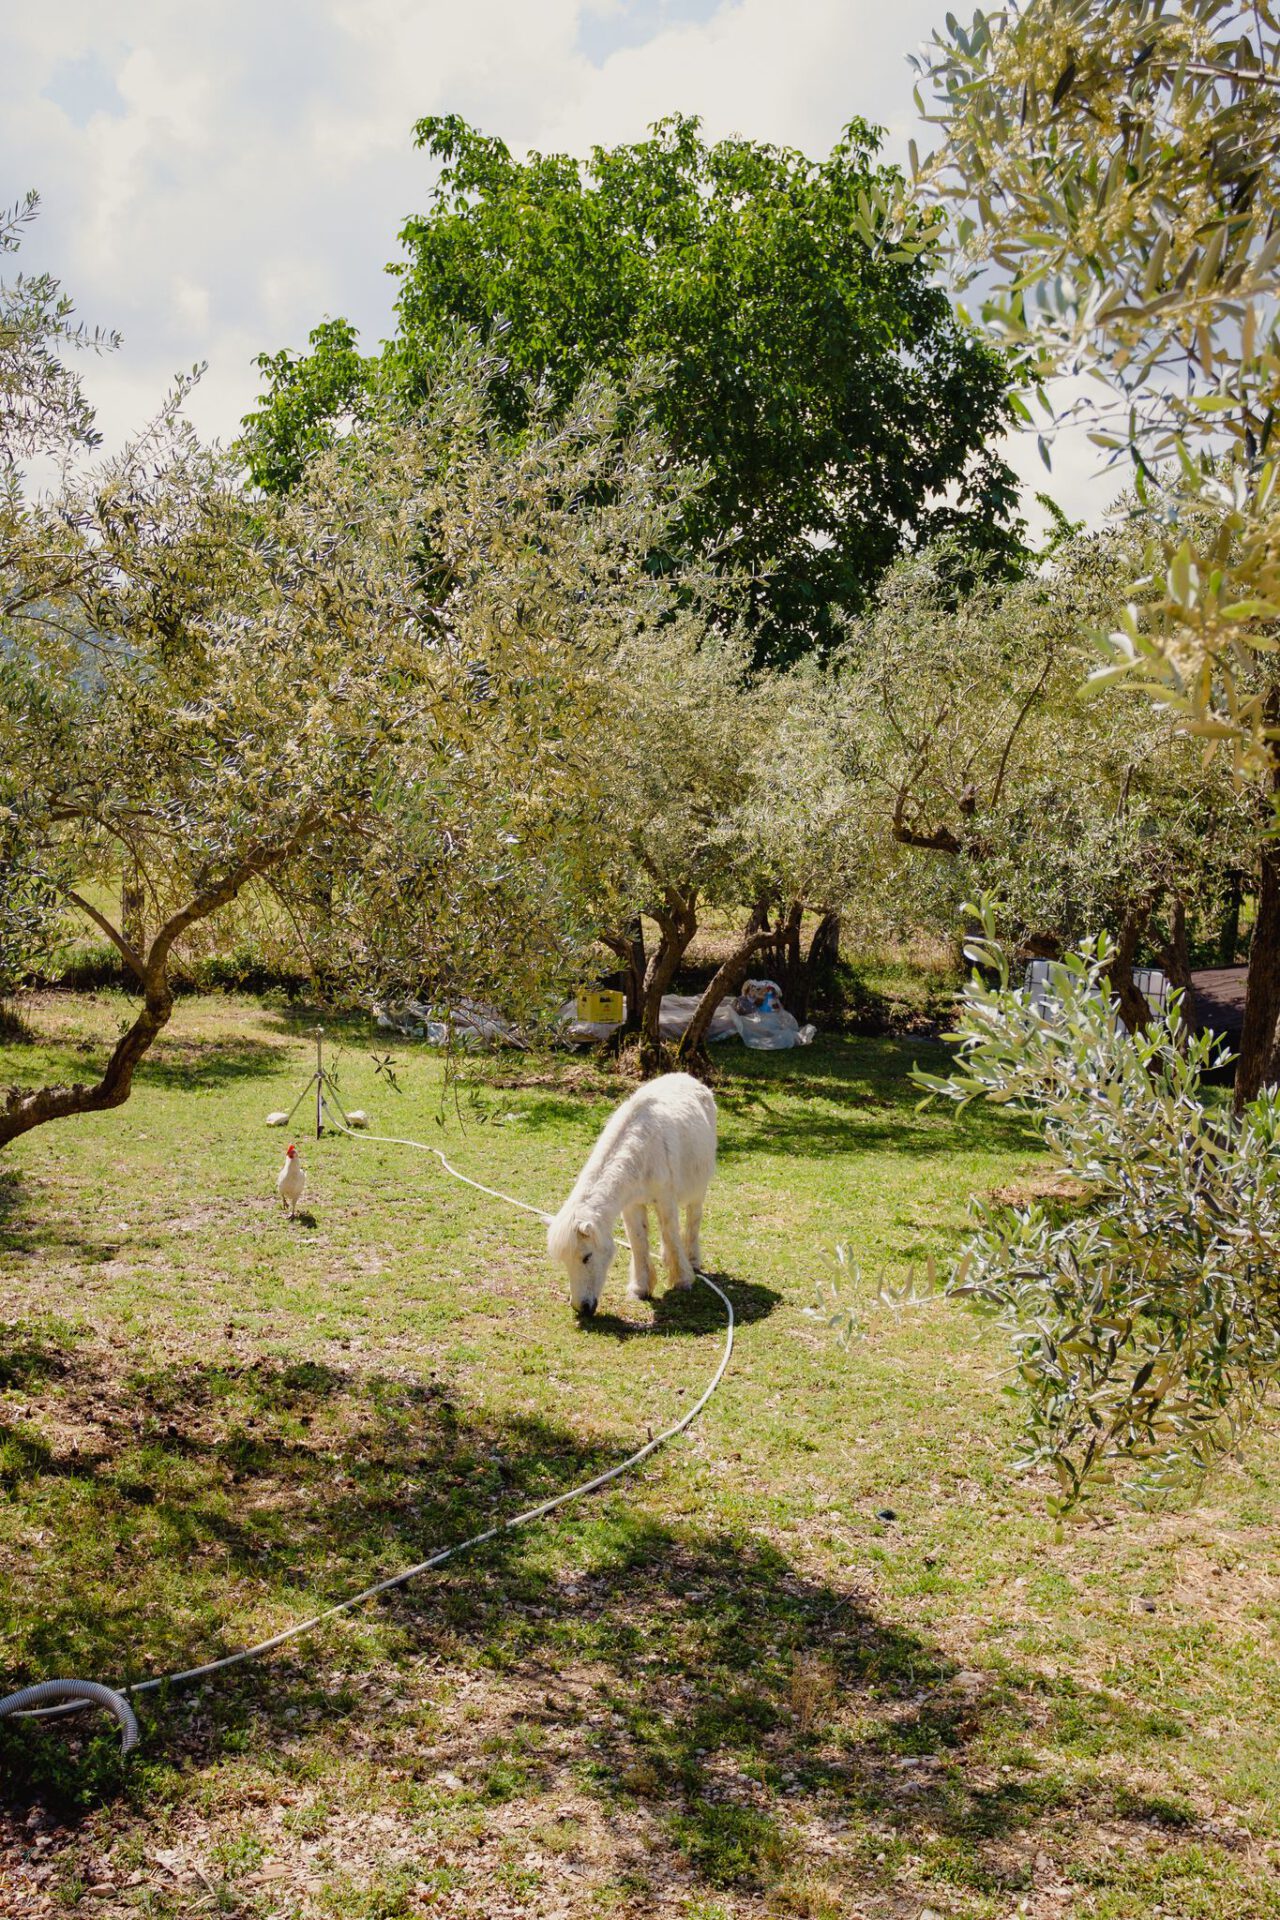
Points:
(1144, 1317)
(1113, 172)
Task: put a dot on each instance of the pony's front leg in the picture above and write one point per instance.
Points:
(636, 1220)
(679, 1272)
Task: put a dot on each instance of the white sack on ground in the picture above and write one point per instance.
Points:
(677, 1014)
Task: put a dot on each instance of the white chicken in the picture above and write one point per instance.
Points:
(291, 1181)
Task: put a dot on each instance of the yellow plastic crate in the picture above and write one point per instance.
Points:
(599, 1004)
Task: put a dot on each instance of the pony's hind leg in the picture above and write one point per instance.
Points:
(692, 1232)
(636, 1220)
(679, 1272)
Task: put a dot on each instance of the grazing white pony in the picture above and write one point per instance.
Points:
(659, 1150)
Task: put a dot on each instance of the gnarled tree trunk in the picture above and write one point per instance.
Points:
(819, 963)
(1134, 1010)
(629, 947)
(786, 963)
(795, 970)
(25, 1108)
(1258, 1064)
(677, 920)
(1175, 958)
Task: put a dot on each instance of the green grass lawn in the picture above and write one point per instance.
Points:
(729, 1686)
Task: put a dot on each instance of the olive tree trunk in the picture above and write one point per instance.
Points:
(727, 978)
(1175, 958)
(819, 964)
(24, 1108)
(677, 920)
(796, 971)
(1258, 1064)
(1134, 1010)
(629, 948)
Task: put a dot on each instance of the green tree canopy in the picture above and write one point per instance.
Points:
(810, 364)
(1081, 815)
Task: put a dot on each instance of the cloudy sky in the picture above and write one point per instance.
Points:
(214, 180)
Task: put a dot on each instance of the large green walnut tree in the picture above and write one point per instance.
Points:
(810, 361)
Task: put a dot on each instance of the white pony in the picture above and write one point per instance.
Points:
(659, 1149)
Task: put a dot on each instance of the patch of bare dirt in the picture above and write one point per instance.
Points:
(584, 1079)
(1057, 1188)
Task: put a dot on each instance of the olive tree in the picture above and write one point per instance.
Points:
(1084, 815)
(43, 408)
(1114, 169)
(720, 790)
(671, 773)
(1113, 172)
(218, 693)
(805, 841)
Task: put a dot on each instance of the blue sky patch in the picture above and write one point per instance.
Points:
(84, 87)
(631, 23)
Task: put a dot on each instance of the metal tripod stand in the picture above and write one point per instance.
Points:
(326, 1092)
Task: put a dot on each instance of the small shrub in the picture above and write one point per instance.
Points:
(1145, 1322)
(811, 1691)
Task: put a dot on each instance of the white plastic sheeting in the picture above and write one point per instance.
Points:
(766, 1029)
(470, 1023)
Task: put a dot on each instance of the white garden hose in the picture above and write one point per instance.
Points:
(75, 1695)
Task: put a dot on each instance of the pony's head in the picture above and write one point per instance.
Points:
(585, 1250)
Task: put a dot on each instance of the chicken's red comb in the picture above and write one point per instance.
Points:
(290, 1149)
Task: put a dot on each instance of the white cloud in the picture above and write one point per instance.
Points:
(216, 181)
(1077, 479)
(792, 71)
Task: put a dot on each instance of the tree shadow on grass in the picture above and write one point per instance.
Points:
(342, 1027)
(34, 1233)
(32, 1355)
(38, 1232)
(11, 1192)
(876, 1105)
(179, 1060)
(799, 1135)
(190, 1066)
(840, 1096)
(689, 1670)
